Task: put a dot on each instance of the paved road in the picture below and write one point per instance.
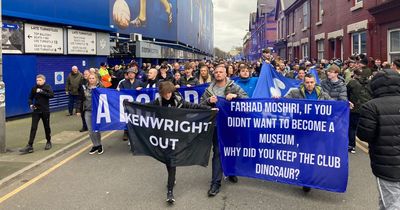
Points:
(118, 180)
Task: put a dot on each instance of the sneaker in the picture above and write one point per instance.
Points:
(27, 149)
(233, 179)
(170, 197)
(213, 191)
(48, 146)
(100, 150)
(93, 150)
(69, 114)
(306, 189)
(83, 130)
(353, 150)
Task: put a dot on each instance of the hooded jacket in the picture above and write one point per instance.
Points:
(336, 90)
(380, 125)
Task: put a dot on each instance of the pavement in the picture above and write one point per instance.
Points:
(65, 135)
(119, 180)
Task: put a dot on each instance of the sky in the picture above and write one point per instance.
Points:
(231, 20)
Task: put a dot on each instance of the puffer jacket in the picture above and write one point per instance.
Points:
(300, 93)
(380, 125)
(336, 90)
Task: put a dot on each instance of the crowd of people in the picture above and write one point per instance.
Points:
(358, 80)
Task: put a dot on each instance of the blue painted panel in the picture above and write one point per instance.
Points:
(156, 25)
(87, 13)
(196, 24)
(19, 75)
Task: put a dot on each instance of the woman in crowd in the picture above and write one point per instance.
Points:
(86, 98)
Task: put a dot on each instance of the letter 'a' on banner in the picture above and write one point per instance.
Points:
(177, 137)
(297, 142)
(108, 110)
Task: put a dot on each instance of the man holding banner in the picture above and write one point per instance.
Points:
(308, 90)
(221, 87)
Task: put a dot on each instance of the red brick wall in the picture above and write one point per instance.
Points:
(337, 15)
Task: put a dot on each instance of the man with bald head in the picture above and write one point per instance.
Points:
(152, 81)
(222, 86)
(74, 80)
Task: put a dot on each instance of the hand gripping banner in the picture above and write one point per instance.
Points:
(299, 142)
(177, 137)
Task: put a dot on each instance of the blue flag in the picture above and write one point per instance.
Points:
(314, 72)
(271, 83)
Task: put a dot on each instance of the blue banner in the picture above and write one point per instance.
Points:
(298, 142)
(108, 111)
(271, 83)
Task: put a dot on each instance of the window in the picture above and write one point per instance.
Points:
(293, 22)
(290, 53)
(358, 1)
(304, 50)
(359, 43)
(320, 49)
(394, 44)
(305, 15)
(320, 9)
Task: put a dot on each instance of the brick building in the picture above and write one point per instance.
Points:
(262, 30)
(386, 28)
(338, 29)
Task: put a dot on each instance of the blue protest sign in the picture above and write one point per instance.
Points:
(108, 111)
(298, 142)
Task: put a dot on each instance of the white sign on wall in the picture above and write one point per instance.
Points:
(43, 39)
(81, 42)
(58, 77)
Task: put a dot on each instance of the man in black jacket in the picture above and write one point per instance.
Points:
(39, 104)
(380, 126)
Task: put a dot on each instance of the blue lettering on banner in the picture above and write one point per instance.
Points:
(108, 111)
(298, 142)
